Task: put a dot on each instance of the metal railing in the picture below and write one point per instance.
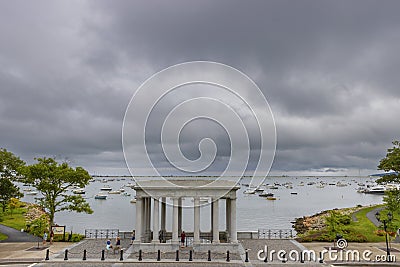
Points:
(276, 234)
(101, 233)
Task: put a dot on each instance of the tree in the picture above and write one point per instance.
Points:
(391, 163)
(8, 191)
(52, 180)
(9, 164)
(13, 204)
(9, 167)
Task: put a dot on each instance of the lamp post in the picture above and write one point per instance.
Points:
(389, 218)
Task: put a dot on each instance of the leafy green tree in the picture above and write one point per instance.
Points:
(335, 222)
(392, 201)
(9, 166)
(13, 204)
(391, 163)
(7, 191)
(52, 180)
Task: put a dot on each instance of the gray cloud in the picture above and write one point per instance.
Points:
(328, 70)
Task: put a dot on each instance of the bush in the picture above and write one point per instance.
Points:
(74, 238)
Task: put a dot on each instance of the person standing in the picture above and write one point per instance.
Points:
(51, 237)
(133, 237)
(44, 238)
(183, 237)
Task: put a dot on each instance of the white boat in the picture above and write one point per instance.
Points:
(115, 192)
(133, 200)
(106, 188)
(126, 194)
(78, 191)
(100, 196)
(379, 189)
(32, 193)
(250, 191)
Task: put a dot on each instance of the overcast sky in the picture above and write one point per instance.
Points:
(329, 70)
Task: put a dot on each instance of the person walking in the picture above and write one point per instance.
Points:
(183, 237)
(133, 237)
(51, 237)
(44, 238)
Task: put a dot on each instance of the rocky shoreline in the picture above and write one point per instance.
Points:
(317, 221)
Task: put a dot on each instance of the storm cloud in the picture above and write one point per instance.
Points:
(329, 71)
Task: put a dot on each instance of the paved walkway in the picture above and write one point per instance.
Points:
(17, 236)
(371, 216)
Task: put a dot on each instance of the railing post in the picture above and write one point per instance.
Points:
(47, 254)
(269, 234)
(102, 255)
(321, 260)
(140, 255)
(190, 255)
(280, 234)
(66, 255)
(209, 255)
(227, 256)
(247, 256)
(121, 258)
(177, 255)
(84, 255)
(158, 255)
(301, 257)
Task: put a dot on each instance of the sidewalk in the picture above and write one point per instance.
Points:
(28, 252)
(17, 236)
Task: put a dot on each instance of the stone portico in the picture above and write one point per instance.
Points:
(151, 213)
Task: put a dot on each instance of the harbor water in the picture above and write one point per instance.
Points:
(295, 197)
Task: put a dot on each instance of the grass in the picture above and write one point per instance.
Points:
(363, 230)
(3, 236)
(365, 226)
(15, 220)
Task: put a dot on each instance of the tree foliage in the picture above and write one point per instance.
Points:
(392, 201)
(391, 163)
(9, 164)
(8, 191)
(52, 180)
(9, 167)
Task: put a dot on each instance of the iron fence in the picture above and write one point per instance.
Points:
(276, 234)
(101, 233)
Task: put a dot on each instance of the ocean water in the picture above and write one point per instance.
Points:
(253, 212)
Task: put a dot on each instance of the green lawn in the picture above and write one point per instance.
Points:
(3, 236)
(365, 226)
(363, 230)
(15, 220)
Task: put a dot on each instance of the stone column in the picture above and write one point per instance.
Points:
(180, 215)
(228, 216)
(144, 216)
(139, 216)
(215, 222)
(233, 233)
(149, 219)
(196, 232)
(156, 221)
(163, 212)
(212, 217)
(175, 235)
